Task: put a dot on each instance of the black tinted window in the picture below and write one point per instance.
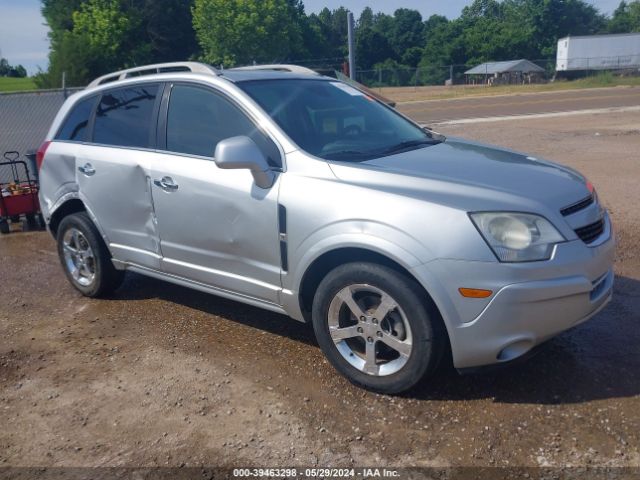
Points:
(123, 117)
(76, 123)
(198, 119)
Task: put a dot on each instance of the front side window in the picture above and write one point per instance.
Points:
(124, 116)
(199, 118)
(75, 125)
(333, 120)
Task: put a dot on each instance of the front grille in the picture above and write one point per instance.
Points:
(589, 233)
(576, 207)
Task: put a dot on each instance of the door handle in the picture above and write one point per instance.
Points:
(167, 184)
(87, 169)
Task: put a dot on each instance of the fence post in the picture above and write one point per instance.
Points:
(64, 84)
(352, 46)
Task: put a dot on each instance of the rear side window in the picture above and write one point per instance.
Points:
(198, 119)
(76, 124)
(123, 117)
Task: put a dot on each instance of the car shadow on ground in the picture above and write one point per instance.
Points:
(597, 360)
(138, 287)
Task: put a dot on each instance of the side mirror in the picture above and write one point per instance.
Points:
(242, 152)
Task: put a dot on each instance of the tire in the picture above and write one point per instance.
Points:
(29, 223)
(42, 225)
(385, 355)
(4, 226)
(85, 259)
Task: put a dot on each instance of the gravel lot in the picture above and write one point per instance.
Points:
(162, 376)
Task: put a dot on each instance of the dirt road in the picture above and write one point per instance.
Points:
(521, 104)
(162, 376)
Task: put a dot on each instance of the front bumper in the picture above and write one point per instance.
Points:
(532, 301)
(521, 316)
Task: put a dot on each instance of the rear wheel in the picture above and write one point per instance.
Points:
(376, 327)
(4, 226)
(85, 258)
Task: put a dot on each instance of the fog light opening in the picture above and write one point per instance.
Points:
(514, 350)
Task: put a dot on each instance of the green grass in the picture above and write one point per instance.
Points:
(605, 79)
(8, 84)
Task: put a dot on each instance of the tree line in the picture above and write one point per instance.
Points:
(93, 37)
(8, 70)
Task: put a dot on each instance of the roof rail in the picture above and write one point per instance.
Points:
(193, 67)
(280, 67)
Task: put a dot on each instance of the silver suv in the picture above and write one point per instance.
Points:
(308, 197)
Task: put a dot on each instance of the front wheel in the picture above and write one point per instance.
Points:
(85, 257)
(376, 327)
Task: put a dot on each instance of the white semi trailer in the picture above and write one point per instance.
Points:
(599, 52)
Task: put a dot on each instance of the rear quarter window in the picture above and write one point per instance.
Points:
(76, 125)
(124, 116)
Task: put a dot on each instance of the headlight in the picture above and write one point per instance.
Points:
(517, 237)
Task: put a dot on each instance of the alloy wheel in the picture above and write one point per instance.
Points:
(370, 329)
(78, 257)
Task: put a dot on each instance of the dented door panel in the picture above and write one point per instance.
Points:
(114, 184)
(216, 226)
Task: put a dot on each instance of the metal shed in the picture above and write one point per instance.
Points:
(512, 71)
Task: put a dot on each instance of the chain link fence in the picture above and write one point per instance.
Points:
(25, 119)
(437, 75)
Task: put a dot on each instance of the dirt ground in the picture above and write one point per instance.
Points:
(434, 111)
(160, 375)
(412, 94)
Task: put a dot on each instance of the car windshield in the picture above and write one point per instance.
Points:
(336, 121)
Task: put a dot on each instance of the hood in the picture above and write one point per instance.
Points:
(486, 169)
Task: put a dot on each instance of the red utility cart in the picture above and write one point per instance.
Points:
(18, 194)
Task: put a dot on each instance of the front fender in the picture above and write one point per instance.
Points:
(366, 235)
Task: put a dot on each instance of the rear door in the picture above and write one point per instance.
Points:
(216, 226)
(111, 174)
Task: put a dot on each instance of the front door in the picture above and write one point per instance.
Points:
(216, 226)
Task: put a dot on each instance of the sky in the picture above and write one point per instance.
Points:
(23, 33)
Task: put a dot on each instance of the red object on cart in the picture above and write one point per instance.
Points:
(21, 203)
(18, 195)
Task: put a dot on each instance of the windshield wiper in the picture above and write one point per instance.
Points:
(347, 155)
(359, 156)
(409, 145)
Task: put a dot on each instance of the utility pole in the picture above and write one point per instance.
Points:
(352, 46)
